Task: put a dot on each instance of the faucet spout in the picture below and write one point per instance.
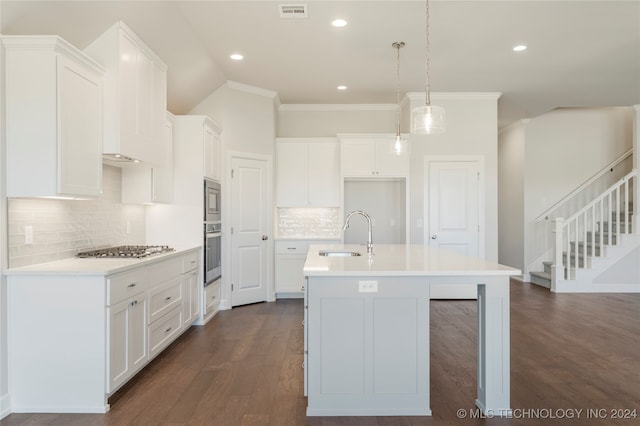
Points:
(369, 233)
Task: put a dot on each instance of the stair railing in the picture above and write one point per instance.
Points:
(592, 224)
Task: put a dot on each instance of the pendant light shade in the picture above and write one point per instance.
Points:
(427, 119)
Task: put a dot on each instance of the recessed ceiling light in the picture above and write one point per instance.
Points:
(342, 88)
(339, 23)
(236, 57)
(519, 48)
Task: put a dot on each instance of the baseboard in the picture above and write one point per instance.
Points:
(573, 287)
(5, 405)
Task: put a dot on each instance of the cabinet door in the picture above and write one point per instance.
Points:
(138, 354)
(127, 339)
(211, 153)
(323, 171)
(80, 130)
(289, 274)
(291, 175)
(191, 302)
(357, 158)
(388, 163)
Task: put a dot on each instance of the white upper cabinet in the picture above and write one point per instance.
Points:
(212, 151)
(371, 156)
(135, 96)
(54, 122)
(143, 185)
(307, 173)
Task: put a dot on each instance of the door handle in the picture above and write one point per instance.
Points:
(433, 237)
(264, 238)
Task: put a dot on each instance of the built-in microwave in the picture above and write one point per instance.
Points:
(212, 205)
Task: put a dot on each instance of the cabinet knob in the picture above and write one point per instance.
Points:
(264, 238)
(166, 299)
(433, 237)
(131, 285)
(168, 329)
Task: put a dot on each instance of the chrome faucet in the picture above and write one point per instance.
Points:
(366, 216)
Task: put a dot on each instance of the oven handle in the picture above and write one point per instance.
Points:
(213, 235)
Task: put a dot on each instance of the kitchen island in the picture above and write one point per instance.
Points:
(367, 328)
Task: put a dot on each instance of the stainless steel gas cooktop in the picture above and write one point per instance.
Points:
(135, 252)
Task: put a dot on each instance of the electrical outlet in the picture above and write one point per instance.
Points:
(368, 286)
(28, 234)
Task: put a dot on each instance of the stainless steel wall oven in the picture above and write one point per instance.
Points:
(212, 232)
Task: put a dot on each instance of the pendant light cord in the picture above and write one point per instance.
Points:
(427, 89)
(398, 45)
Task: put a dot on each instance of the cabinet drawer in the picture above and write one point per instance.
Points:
(164, 331)
(164, 298)
(190, 261)
(125, 285)
(165, 270)
(212, 297)
(292, 247)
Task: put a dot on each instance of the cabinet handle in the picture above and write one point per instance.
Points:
(302, 322)
(134, 303)
(131, 285)
(168, 329)
(166, 299)
(291, 248)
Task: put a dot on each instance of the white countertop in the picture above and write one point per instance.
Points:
(398, 260)
(91, 266)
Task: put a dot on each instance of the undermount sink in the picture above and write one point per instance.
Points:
(340, 253)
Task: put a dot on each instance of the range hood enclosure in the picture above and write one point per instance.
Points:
(135, 98)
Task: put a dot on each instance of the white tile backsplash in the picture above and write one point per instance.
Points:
(61, 228)
(308, 222)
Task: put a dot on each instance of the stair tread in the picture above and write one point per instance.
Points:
(541, 274)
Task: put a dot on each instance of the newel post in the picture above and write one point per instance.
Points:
(557, 269)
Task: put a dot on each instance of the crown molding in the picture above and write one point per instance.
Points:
(337, 107)
(491, 96)
(251, 89)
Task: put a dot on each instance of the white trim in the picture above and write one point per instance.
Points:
(490, 96)
(251, 89)
(5, 405)
(337, 107)
(481, 195)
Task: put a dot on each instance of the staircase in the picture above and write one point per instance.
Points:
(591, 242)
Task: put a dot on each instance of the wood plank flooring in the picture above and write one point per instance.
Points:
(568, 353)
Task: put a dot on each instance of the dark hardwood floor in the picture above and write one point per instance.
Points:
(568, 353)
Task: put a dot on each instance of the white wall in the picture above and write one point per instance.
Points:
(472, 129)
(328, 120)
(4, 384)
(511, 196)
(246, 115)
(546, 158)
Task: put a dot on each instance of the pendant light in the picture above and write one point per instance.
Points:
(399, 145)
(427, 119)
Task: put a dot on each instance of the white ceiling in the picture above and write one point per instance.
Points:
(581, 53)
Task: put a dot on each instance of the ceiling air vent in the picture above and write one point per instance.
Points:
(292, 11)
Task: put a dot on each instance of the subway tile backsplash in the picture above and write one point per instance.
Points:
(61, 228)
(308, 222)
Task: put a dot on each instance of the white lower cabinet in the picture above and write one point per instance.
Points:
(164, 331)
(90, 334)
(191, 288)
(127, 339)
(211, 299)
(290, 258)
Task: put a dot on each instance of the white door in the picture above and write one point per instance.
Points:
(249, 238)
(454, 215)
